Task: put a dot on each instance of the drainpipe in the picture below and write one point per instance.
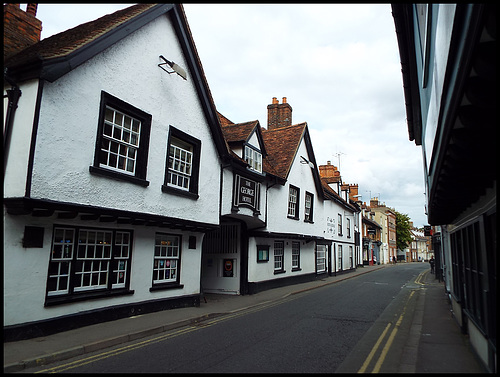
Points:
(13, 95)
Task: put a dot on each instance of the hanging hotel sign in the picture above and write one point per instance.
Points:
(246, 192)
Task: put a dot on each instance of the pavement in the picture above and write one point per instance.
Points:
(444, 348)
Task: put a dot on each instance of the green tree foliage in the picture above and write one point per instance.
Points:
(403, 234)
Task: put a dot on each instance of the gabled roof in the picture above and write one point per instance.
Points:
(53, 57)
(239, 133)
(331, 194)
(223, 120)
(282, 146)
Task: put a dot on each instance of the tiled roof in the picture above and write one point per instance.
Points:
(239, 132)
(332, 194)
(282, 145)
(223, 120)
(64, 43)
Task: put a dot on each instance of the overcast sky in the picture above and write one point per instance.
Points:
(338, 65)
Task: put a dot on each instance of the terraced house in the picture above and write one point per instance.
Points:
(126, 192)
(106, 196)
(276, 213)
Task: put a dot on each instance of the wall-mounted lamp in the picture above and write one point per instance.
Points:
(305, 161)
(177, 69)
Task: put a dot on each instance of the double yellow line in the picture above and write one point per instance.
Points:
(137, 345)
(390, 339)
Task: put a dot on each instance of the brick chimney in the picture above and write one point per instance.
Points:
(21, 29)
(374, 203)
(279, 114)
(353, 191)
(328, 170)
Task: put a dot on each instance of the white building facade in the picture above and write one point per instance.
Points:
(106, 196)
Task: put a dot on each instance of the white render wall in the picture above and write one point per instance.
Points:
(263, 271)
(19, 149)
(68, 123)
(25, 270)
(65, 149)
(300, 176)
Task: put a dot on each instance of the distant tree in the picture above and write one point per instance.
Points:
(403, 234)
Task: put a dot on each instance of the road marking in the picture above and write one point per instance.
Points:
(182, 331)
(419, 278)
(118, 351)
(374, 349)
(387, 346)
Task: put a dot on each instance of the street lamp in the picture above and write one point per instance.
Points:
(176, 68)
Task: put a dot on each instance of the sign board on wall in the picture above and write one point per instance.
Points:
(228, 268)
(246, 192)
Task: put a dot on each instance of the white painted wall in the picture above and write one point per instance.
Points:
(14, 183)
(263, 271)
(65, 149)
(300, 176)
(68, 128)
(25, 270)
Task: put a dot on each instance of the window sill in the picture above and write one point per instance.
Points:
(277, 272)
(296, 269)
(119, 176)
(164, 286)
(82, 296)
(179, 192)
(309, 221)
(293, 218)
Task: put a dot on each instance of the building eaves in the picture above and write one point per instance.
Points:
(403, 20)
(57, 55)
(239, 132)
(53, 57)
(371, 222)
(330, 194)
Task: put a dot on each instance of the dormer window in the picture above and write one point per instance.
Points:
(254, 158)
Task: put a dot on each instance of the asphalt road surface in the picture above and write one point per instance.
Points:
(329, 329)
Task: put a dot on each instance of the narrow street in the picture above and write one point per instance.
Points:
(318, 331)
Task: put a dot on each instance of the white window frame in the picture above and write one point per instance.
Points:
(167, 258)
(180, 164)
(320, 258)
(94, 255)
(340, 224)
(279, 256)
(86, 259)
(120, 141)
(296, 255)
(293, 202)
(122, 145)
(253, 158)
(340, 258)
(61, 260)
(308, 207)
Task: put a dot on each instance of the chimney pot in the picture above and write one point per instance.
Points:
(21, 29)
(31, 9)
(279, 114)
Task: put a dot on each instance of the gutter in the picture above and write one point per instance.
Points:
(13, 95)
